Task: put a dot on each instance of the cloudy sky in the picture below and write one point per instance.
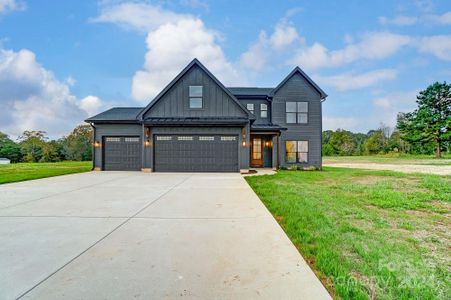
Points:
(62, 61)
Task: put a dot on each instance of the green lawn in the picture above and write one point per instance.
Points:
(28, 171)
(367, 234)
(386, 159)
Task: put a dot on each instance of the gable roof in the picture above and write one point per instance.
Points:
(117, 114)
(194, 62)
(302, 73)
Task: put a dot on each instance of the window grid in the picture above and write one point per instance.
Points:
(228, 138)
(263, 110)
(113, 139)
(196, 96)
(185, 138)
(206, 138)
(296, 112)
(164, 138)
(132, 139)
(296, 151)
(250, 107)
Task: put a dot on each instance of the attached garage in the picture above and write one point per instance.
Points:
(122, 153)
(196, 153)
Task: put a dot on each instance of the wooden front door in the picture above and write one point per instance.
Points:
(257, 152)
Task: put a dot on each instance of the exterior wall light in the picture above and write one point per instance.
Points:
(244, 143)
(147, 143)
(268, 144)
(97, 144)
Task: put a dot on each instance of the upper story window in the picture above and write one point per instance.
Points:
(297, 112)
(263, 110)
(195, 96)
(250, 107)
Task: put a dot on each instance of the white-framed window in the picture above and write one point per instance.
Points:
(195, 96)
(250, 107)
(296, 151)
(113, 139)
(296, 112)
(132, 139)
(263, 110)
(164, 138)
(185, 138)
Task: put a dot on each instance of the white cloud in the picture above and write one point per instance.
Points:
(351, 81)
(256, 57)
(11, 5)
(437, 45)
(444, 19)
(31, 98)
(138, 16)
(387, 107)
(399, 20)
(373, 46)
(91, 104)
(170, 48)
(334, 123)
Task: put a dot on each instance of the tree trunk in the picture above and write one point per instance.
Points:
(438, 152)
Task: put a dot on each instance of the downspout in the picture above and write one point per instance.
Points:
(278, 150)
(93, 146)
(321, 133)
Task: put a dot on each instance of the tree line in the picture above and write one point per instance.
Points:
(35, 146)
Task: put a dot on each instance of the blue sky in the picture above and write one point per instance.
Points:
(61, 61)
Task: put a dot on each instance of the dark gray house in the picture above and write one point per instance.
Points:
(196, 124)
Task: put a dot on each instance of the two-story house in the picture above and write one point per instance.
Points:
(196, 124)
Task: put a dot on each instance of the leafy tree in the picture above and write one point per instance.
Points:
(375, 143)
(341, 142)
(50, 152)
(32, 144)
(78, 144)
(9, 149)
(431, 121)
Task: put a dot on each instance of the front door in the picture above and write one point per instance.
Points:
(257, 153)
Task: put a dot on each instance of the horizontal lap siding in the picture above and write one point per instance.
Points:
(298, 89)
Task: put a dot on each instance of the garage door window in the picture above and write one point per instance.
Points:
(164, 138)
(113, 139)
(228, 138)
(132, 139)
(206, 138)
(185, 138)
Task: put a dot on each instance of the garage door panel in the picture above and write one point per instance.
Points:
(122, 153)
(196, 153)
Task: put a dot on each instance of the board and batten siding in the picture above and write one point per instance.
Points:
(257, 110)
(297, 88)
(103, 130)
(216, 102)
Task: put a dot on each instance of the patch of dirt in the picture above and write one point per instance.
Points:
(405, 168)
(369, 180)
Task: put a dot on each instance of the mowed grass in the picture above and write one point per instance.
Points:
(367, 234)
(27, 171)
(388, 159)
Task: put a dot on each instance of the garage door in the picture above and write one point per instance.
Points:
(122, 153)
(196, 153)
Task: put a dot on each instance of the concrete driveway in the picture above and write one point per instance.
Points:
(123, 235)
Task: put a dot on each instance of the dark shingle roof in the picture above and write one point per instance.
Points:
(197, 121)
(250, 91)
(267, 127)
(117, 114)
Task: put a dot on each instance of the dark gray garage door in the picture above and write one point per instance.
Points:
(196, 153)
(122, 153)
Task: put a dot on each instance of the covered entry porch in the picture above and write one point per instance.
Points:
(265, 146)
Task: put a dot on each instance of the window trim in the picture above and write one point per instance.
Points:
(196, 97)
(297, 152)
(253, 107)
(297, 112)
(263, 110)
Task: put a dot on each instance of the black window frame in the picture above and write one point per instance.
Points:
(297, 112)
(196, 97)
(296, 152)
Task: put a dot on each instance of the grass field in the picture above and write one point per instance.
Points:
(28, 171)
(367, 234)
(386, 159)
